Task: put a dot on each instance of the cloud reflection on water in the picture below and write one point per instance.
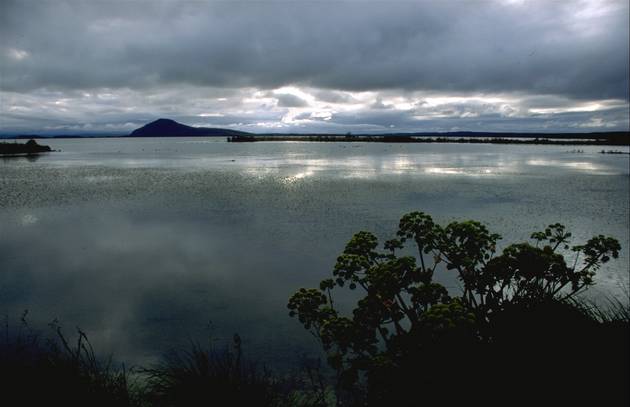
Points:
(143, 249)
(585, 166)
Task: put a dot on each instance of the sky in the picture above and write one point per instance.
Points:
(357, 66)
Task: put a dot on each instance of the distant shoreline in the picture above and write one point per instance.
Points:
(597, 139)
(620, 140)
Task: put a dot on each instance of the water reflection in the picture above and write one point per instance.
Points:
(142, 244)
(21, 157)
(471, 172)
(365, 167)
(586, 166)
(300, 175)
(29, 219)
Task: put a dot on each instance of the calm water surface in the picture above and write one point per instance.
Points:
(147, 243)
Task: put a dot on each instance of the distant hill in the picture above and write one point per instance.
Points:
(170, 128)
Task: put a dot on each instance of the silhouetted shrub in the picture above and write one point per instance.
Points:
(514, 335)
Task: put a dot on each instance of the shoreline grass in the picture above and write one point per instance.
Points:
(67, 371)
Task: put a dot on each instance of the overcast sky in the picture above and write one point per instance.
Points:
(301, 66)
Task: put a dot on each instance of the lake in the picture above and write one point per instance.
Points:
(146, 244)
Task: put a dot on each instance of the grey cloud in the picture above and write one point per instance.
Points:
(303, 116)
(378, 104)
(537, 47)
(289, 100)
(484, 119)
(109, 66)
(120, 111)
(333, 96)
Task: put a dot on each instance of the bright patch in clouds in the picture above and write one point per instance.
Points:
(17, 54)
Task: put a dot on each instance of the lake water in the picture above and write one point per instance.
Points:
(148, 243)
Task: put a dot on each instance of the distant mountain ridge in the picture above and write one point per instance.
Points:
(171, 128)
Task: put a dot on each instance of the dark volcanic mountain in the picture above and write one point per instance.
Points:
(170, 128)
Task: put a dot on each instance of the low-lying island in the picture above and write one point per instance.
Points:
(29, 148)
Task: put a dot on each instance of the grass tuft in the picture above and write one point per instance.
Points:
(210, 377)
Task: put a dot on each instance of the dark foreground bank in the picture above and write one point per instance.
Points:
(555, 355)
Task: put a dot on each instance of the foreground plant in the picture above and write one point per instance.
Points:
(38, 370)
(407, 322)
(210, 377)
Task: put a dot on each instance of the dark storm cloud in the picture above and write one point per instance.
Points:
(576, 49)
